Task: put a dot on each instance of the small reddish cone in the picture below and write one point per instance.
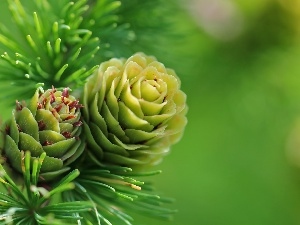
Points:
(50, 123)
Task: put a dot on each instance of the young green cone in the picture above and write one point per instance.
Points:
(50, 123)
(134, 111)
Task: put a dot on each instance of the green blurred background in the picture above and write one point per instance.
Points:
(240, 67)
(239, 62)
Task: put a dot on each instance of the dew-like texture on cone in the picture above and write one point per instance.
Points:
(134, 111)
(49, 123)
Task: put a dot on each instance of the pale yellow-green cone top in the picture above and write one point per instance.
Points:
(134, 111)
(49, 123)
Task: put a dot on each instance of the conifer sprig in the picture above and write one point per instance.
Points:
(33, 203)
(56, 43)
(46, 43)
(116, 193)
